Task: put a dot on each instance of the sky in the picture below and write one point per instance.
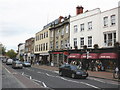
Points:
(21, 19)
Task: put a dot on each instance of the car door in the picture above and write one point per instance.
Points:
(67, 70)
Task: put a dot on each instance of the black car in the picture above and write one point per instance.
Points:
(72, 71)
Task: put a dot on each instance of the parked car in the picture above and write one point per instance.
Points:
(4, 60)
(26, 64)
(17, 64)
(9, 62)
(72, 71)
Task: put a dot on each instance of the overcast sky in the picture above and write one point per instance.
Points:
(21, 19)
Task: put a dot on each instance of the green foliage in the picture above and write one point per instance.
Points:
(11, 53)
(2, 49)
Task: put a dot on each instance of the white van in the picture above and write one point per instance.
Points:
(9, 62)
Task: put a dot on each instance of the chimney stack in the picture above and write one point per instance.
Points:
(79, 10)
(60, 18)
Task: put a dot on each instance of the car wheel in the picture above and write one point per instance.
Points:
(60, 73)
(73, 75)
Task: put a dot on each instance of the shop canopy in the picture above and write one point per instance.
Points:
(75, 55)
(108, 56)
(89, 56)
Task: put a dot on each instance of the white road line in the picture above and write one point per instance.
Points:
(7, 70)
(29, 69)
(50, 75)
(79, 82)
(44, 85)
(89, 85)
(41, 72)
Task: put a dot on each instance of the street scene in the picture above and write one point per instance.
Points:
(48, 78)
(57, 45)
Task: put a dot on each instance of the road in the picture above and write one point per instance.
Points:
(51, 80)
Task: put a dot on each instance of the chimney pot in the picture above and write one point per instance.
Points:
(79, 10)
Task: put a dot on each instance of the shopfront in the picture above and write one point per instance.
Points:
(109, 60)
(74, 57)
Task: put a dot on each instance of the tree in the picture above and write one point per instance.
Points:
(2, 50)
(11, 53)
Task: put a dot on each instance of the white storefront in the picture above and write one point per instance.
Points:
(95, 27)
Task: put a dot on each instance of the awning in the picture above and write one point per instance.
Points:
(108, 56)
(75, 55)
(89, 56)
(66, 53)
(57, 52)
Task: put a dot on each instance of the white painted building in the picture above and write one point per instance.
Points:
(94, 27)
(21, 50)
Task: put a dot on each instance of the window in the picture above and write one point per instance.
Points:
(51, 34)
(114, 35)
(62, 33)
(81, 27)
(40, 36)
(75, 42)
(105, 39)
(75, 29)
(51, 45)
(62, 44)
(105, 21)
(67, 29)
(113, 20)
(90, 41)
(81, 42)
(109, 39)
(89, 25)
(47, 34)
(39, 47)
(67, 44)
(44, 34)
(57, 45)
(57, 33)
(46, 46)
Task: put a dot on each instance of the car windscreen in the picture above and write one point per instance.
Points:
(18, 62)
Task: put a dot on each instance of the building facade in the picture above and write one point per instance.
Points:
(59, 40)
(41, 48)
(29, 49)
(94, 27)
(21, 51)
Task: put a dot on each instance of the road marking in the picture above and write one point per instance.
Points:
(44, 85)
(7, 70)
(50, 75)
(89, 85)
(29, 69)
(41, 72)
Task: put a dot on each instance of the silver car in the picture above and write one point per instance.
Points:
(17, 64)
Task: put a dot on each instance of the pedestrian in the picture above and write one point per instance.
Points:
(96, 65)
(92, 65)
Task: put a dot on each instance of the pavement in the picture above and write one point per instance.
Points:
(96, 74)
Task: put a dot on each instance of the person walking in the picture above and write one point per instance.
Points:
(92, 65)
